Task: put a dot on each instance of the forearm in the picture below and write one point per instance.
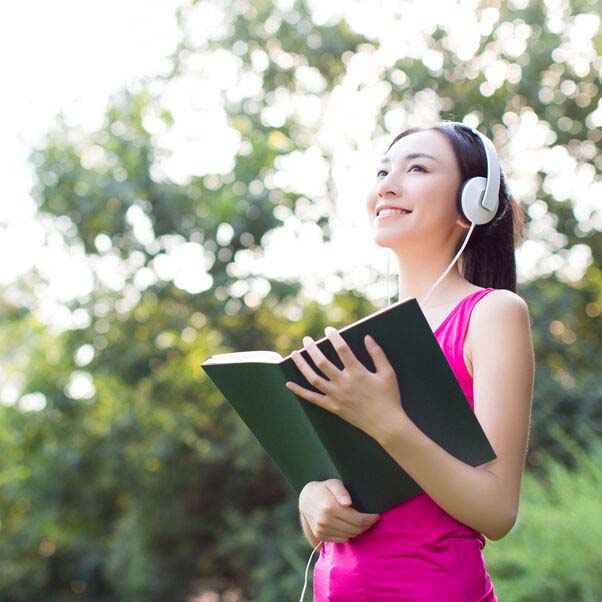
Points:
(472, 495)
(311, 538)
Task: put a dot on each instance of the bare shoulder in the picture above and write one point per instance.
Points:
(500, 304)
(500, 325)
(499, 308)
(500, 316)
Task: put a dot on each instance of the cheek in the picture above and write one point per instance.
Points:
(371, 198)
(436, 194)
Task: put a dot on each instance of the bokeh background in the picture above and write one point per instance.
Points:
(186, 178)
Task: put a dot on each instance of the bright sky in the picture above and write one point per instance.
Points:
(70, 56)
(64, 56)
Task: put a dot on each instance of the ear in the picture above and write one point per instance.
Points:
(462, 222)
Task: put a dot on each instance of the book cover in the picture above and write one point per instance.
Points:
(309, 443)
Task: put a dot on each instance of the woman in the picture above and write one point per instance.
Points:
(429, 548)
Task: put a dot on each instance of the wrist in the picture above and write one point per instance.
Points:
(393, 429)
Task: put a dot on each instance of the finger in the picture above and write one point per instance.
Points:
(360, 519)
(347, 533)
(378, 355)
(337, 488)
(317, 381)
(337, 531)
(335, 539)
(354, 527)
(342, 348)
(349, 515)
(320, 360)
(316, 398)
(341, 528)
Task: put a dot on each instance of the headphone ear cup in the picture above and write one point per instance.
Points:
(471, 194)
(459, 199)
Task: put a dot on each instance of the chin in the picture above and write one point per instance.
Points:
(392, 239)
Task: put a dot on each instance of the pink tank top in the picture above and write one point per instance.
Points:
(416, 552)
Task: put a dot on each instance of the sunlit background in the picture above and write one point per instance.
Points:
(126, 475)
(74, 55)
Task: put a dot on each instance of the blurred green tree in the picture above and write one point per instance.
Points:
(133, 479)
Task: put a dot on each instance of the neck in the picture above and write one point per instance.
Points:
(418, 273)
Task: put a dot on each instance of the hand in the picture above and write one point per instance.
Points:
(327, 512)
(369, 400)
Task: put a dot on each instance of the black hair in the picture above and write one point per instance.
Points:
(488, 260)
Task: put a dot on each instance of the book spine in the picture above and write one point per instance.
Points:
(373, 478)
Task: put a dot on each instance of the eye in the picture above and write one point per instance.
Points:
(412, 167)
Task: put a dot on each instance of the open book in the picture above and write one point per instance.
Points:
(309, 443)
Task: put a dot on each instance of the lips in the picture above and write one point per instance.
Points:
(379, 209)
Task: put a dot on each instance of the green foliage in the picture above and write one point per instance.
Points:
(553, 553)
(152, 487)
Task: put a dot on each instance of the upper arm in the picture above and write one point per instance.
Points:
(503, 371)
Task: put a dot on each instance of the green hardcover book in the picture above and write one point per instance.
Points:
(308, 443)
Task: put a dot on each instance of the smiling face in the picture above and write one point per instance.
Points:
(421, 175)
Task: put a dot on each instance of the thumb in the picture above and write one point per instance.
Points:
(336, 487)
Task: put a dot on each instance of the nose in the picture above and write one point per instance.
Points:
(388, 186)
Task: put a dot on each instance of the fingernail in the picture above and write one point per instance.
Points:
(344, 499)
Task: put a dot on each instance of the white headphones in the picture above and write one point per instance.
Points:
(478, 199)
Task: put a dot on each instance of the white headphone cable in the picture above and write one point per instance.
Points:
(472, 225)
(387, 277)
(307, 570)
(449, 267)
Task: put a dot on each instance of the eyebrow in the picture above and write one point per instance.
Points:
(411, 156)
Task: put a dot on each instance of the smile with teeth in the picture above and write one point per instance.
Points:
(387, 212)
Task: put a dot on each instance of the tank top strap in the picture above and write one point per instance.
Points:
(451, 334)
(463, 313)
